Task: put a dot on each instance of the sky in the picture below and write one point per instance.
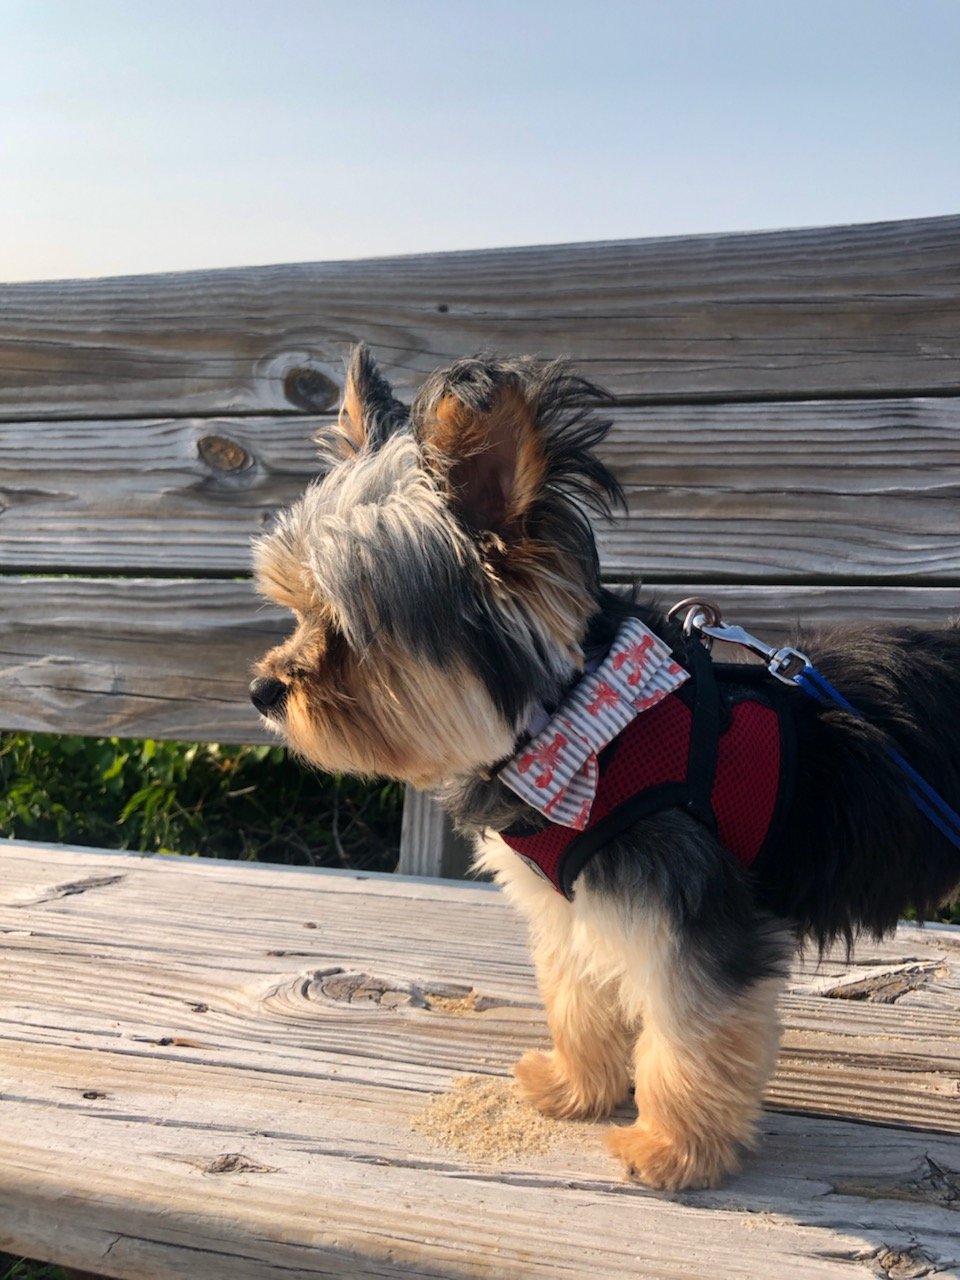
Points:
(179, 134)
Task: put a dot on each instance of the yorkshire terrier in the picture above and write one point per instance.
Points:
(452, 632)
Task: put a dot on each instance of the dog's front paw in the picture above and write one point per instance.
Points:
(672, 1164)
(557, 1089)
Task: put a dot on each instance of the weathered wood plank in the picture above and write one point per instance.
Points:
(429, 844)
(838, 310)
(171, 658)
(192, 1098)
(133, 658)
(787, 492)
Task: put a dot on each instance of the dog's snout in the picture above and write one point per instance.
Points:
(267, 694)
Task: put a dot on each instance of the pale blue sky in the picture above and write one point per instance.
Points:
(176, 134)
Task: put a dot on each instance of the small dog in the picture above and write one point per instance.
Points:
(450, 614)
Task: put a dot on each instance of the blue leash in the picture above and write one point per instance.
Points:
(792, 667)
(930, 802)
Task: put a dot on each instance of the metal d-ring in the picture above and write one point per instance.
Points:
(697, 613)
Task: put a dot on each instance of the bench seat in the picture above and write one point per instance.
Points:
(211, 1069)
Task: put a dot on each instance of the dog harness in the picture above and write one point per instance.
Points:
(643, 734)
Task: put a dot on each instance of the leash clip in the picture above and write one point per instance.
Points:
(704, 619)
(794, 668)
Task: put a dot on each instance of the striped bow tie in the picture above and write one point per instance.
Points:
(556, 771)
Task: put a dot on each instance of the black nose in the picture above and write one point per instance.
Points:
(267, 694)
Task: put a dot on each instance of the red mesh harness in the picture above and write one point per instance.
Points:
(720, 747)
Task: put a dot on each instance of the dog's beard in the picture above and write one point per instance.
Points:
(424, 725)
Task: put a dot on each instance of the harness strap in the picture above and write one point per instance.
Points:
(704, 737)
(792, 667)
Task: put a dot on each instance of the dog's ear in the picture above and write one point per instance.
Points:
(368, 414)
(482, 436)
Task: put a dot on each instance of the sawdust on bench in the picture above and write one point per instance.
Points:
(485, 1117)
(457, 1005)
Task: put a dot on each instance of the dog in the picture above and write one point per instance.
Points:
(444, 577)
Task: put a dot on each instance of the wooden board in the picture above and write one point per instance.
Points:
(172, 658)
(133, 658)
(837, 310)
(194, 1080)
(787, 492)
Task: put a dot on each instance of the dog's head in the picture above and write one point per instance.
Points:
(442, 569)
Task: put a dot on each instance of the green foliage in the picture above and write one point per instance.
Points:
(12, 1268)
(252, 803)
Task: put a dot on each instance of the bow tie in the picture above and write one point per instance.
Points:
(557, 771)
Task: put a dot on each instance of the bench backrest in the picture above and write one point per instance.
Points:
(788, 432)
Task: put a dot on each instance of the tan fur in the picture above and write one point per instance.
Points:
(700, 1060)
(383, 717)
(497, 492)
(585, 1076)
(698, 1090)
(351, 428)
(587, 1073)
(282, 575)
(536, 574)
(350, 420)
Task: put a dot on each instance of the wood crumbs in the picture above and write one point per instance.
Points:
(485, 1117)
(457, 1005)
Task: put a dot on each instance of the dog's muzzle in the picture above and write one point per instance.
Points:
(268, 695)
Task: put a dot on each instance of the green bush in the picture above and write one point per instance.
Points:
(250, 803)
(13, 1268)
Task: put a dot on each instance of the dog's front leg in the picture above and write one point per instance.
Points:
(587, 1072)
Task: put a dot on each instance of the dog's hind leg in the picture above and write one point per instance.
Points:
(701, 967)
(698, 1082)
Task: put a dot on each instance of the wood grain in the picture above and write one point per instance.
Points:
(172, 658)
(133, 658)
(429, 843)
(192, 1096)
(788, 492)
(828, 311)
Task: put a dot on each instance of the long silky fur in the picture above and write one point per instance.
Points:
(425, 637)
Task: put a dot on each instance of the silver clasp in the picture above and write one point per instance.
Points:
(703, 618)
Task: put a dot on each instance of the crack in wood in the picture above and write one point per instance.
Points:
(891, 1263)
(930, 1183)
(887, 988)
(236, 1162)
(178, 1042)
(69, 889)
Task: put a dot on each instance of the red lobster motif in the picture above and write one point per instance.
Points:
(548, 755)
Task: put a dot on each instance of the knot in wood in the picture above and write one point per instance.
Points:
(309, 389)
(236, 1162)
(361, 989)
(220, 453)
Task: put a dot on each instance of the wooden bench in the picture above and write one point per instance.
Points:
(211, 1069)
